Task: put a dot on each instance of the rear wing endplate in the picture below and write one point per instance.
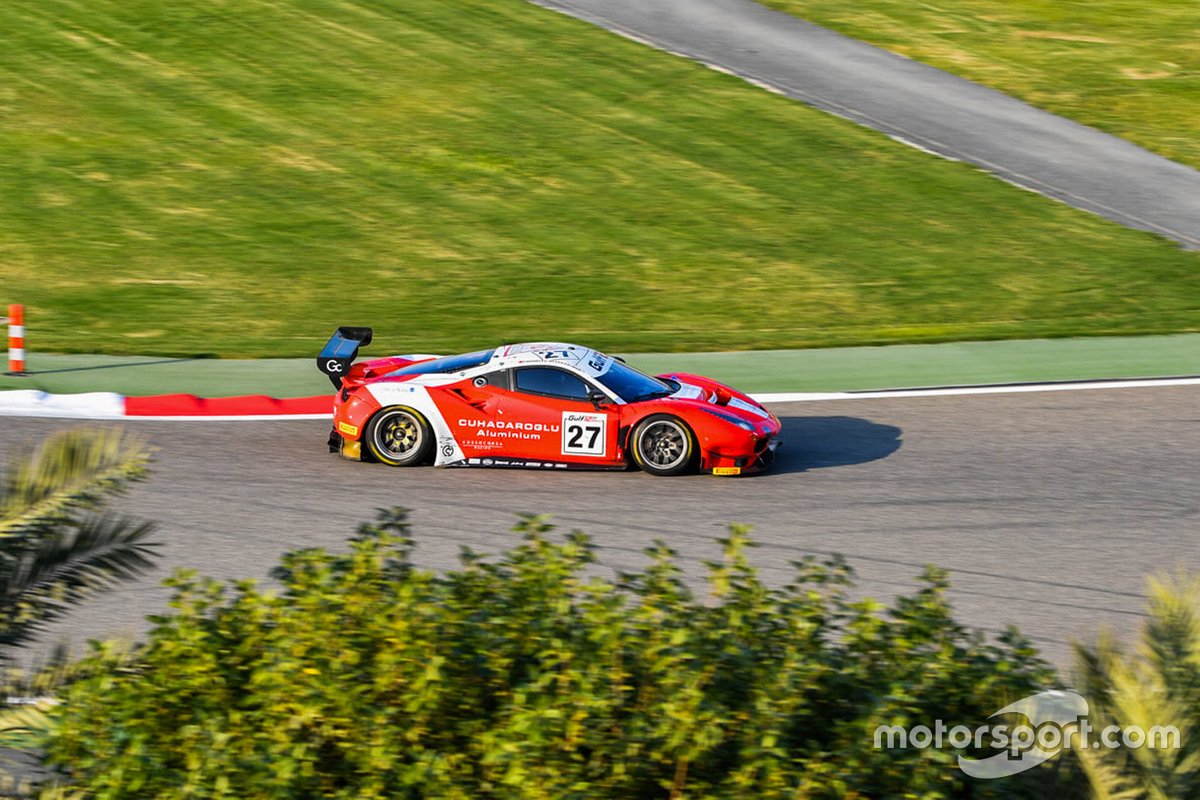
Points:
(340, 351)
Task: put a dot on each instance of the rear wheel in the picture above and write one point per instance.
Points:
(664, 445)
(398, 436)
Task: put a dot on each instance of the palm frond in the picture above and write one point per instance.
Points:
(1093, 666)
(69, 472)
(1156, 689)
(56, 546)
(25, 725)
(1104, 774)
(1171, 643)
(49, 576)
(1139, 699)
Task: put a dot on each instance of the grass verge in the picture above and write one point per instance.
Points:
(238, 178)
(1129, 68)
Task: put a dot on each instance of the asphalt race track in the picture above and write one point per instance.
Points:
(1050, 508)
(918, 104)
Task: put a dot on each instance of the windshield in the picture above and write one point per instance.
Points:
(631, 386)
(446, 364)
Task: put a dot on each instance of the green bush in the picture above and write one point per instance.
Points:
(530, 676)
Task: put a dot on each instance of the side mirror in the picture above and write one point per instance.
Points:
(598, 399)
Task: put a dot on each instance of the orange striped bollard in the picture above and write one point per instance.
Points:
(16, 340)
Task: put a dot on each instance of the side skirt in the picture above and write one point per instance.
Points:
(531, 463)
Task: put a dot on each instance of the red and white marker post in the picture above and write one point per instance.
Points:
(16, 340)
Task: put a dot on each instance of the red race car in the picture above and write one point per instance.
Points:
(544, 405)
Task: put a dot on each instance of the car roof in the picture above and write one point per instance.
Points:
(435, 370)
(574, 356)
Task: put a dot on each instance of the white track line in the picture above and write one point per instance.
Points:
(807, 397)
(108, 406)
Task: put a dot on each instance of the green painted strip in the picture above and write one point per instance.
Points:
(904, 366)
(835, 369)
(139, 375)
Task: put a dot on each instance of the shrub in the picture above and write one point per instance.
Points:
(531, 676)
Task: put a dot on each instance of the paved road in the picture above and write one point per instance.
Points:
(1049, 508)
(919, 104)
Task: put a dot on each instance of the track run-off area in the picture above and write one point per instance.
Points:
(1049, 508)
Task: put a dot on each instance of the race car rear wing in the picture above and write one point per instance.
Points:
(340, 351)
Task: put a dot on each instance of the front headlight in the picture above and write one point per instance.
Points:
(741, 423)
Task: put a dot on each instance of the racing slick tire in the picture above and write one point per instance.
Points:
(398, 436)
(664, 445)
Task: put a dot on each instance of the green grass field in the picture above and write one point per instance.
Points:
(239, 177)
(1129, 67)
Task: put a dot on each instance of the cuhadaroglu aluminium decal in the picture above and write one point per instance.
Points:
(506, 429)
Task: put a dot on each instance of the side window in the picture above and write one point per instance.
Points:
(553, 382)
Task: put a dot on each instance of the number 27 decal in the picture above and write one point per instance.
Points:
(584, 434)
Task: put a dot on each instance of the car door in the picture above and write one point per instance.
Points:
(470, 409)
(550, 417)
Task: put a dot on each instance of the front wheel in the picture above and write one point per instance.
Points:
(398, 436)
(664, 445)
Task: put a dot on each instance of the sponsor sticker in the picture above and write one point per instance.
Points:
(727, 470)
(348, 429)
(584, 434)
(508, 429)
